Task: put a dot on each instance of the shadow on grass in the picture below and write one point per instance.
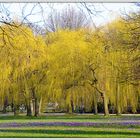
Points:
(66, 117)
(70, 132)
(69, 117)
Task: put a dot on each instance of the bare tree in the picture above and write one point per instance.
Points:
(68, 18)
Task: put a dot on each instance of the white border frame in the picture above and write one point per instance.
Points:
(68, 1)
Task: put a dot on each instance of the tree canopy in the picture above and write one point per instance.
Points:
(79, 70)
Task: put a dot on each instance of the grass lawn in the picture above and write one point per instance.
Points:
(70, 126)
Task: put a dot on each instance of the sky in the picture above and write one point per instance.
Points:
(108, 11)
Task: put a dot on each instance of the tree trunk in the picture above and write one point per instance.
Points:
(36, 108)
(33, 106)
(12, 104)
(12, 107)
(5, 105)
(29, 110)
(72, 106)
(35, 103)
(106, 112)
(69, 108)
(95, 104)
(4, 109)
(16, 110)
(40, 105)
(118, 100)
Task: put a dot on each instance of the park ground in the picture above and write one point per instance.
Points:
(66, 125)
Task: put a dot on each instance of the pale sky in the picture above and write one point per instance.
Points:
(109, 10)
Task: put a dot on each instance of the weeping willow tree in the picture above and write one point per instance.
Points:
(122, 90)
(98, 70)
(73, 57)
(22, 56)
(68, 59)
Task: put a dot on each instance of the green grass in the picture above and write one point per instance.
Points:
(70, 131)
(64, 118)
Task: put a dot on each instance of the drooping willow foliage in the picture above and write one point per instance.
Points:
(79, 70)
